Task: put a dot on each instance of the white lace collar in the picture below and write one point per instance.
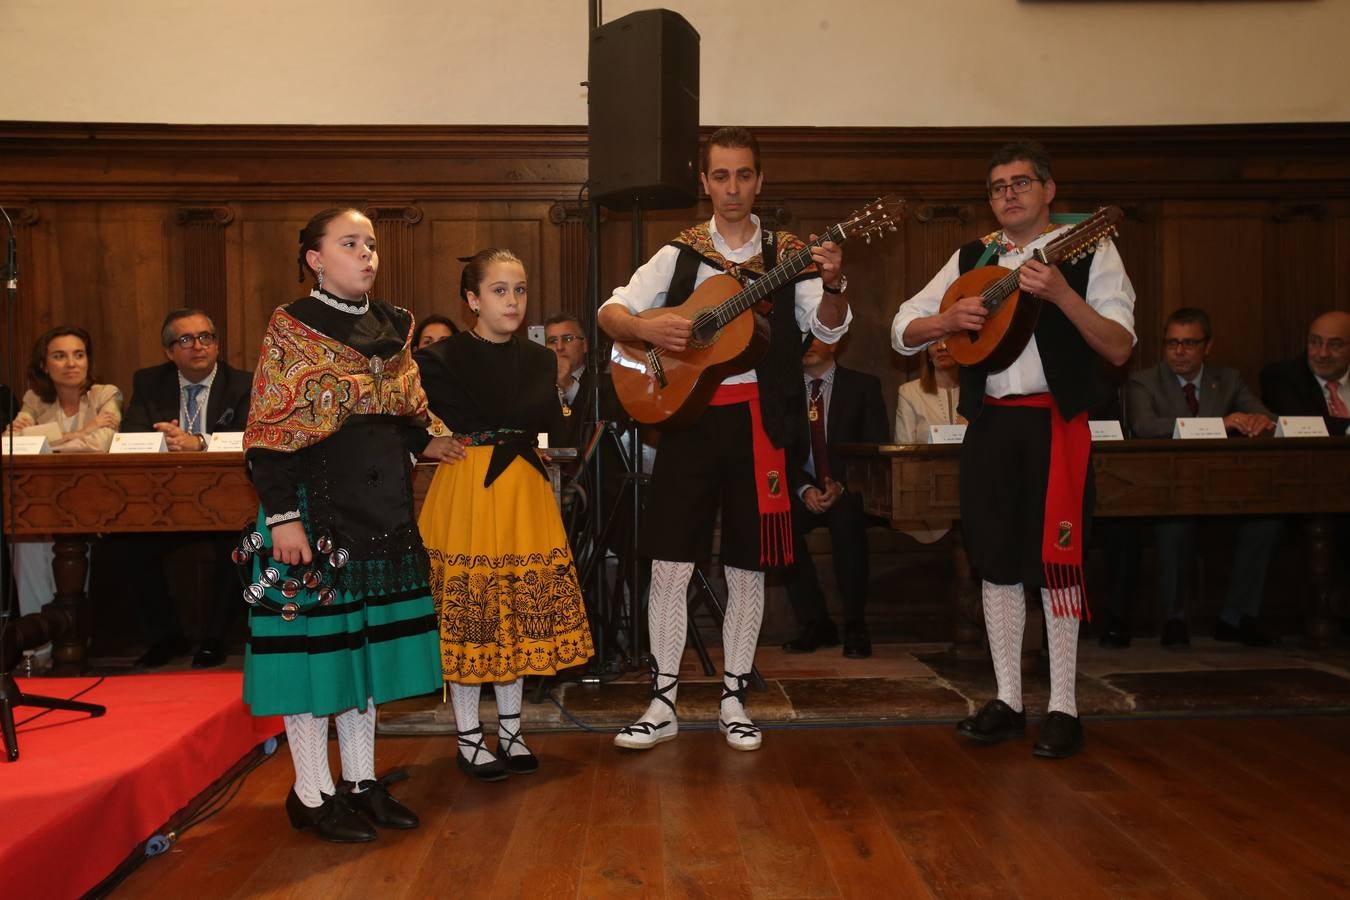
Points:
(339, 304)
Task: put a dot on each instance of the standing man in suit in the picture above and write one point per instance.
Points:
(843, 407)
(190, 396)
(1183, 386)
(1318, 383)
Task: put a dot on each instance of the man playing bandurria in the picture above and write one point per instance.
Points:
(1026, 490)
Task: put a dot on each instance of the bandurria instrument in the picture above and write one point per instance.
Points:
(1012, 314)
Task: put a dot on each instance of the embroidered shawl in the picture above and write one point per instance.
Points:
(699, 239)
(307, 384)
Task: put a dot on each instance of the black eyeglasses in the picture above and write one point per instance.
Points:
(1188, 343)
(205, 338)
(1019, 185)
(564, 338)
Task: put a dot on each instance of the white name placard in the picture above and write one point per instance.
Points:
(1106, 430)
(946, 434)
(26, 445)
(543, 440)
(225, 442)
(139, 442)
(1301, 426)
(1209, 427)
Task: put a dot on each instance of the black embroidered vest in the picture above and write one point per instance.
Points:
(1072, 368)
(782, 391)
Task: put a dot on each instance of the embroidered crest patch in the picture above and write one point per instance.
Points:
(1065, 539)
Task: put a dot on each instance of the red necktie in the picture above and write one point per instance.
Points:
(1335, 405)
(820, 454)
(1192, 401)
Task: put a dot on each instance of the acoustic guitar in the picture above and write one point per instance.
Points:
(1012, 314)
(729, 334)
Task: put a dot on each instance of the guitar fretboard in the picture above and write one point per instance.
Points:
(769, 282)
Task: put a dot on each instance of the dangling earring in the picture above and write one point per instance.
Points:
(318, 276)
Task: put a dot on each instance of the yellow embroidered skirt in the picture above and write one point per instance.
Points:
(502, 577)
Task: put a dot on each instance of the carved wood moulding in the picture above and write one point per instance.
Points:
(53, 495)
(217, 216)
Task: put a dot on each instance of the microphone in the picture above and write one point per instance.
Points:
(11, 257)
(226, 417)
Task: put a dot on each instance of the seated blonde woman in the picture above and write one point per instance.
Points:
(930, 399)
(78, 416)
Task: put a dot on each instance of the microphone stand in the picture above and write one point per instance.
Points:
(14, 640)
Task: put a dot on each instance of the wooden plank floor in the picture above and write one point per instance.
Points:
(1197, 808)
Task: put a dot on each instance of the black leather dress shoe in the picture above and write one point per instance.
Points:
(374, 802)
(1249, 631)
(162, 651)
(995, 723)
(209, 655)
(335, 821)
(1061, 736)
(857, 642)
(1176, 634)
(812, 638)
(1116, 635)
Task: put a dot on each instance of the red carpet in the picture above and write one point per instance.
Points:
(85, 792)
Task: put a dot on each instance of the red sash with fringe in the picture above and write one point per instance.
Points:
(775, 509)
(1062, 532)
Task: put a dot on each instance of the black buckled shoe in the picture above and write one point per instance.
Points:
(857, 642)
(492, 770)
(994, 723)
(813, 637)
(1249, 631)
(1175, 634)
(162, 651)
(1116, 635)
(209, 655)
(521, 763)
(373, 801)
(334, 821)
(1061, 736)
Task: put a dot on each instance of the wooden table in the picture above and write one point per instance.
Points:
(906, 483)
(73, 496)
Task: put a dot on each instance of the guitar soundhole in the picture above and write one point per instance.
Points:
(704, 334)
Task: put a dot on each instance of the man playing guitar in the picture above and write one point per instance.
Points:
(1026, 490)
(732, 456)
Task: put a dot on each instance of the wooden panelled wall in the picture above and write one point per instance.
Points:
(118, 224)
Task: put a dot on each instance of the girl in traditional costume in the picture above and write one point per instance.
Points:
(337, 409)
(506, 590)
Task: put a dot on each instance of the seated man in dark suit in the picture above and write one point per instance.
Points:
(190, 396)
(1317, 383)
(564, 335)
(843, 407)
(1182, 385)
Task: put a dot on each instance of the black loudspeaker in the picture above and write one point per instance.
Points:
(643, 78)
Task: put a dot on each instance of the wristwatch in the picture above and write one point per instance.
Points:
(843, 286)
(201, 441)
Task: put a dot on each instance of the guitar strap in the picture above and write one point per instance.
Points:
(1055, 219)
